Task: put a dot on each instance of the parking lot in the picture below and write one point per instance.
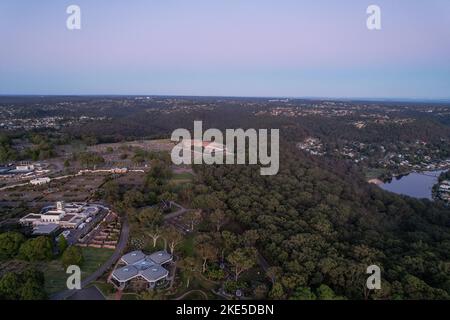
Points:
(76, 234)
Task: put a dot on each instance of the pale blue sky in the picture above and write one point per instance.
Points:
(318, 48)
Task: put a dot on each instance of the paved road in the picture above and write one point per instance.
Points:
(177, 213)
(14, 186)
(121, 245)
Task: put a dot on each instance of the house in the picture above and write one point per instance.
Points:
(141, 267)
(40, 181)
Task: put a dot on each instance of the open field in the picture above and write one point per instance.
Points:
(131, 179)
(121, 154)
(147, 145)
(78, 188)
(182, 178)
(26, 193)
(73, 189)
(93, 259)
(55, 276)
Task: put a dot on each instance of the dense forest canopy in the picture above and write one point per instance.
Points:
(317, 223)
(327, 226)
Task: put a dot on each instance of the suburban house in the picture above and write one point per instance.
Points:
(139, 267)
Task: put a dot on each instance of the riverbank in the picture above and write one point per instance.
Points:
(415, 184)
(380, 176)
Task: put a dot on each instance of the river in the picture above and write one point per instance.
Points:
(416, 184)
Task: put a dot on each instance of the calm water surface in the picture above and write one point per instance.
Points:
(416, 184)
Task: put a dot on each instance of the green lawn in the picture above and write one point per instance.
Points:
(107, 289)
(182, 178)
(93, 259)
(56, 277)
(197, 282)
(187, 246)
(130, 296)
(194, 295)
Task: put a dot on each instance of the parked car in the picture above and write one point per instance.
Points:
(66, 233)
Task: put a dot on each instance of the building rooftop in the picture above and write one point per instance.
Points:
(160, 257)
(54, 213)
(125, 273)
(67, 217)
(144, 264)
(32, 216)
(133, 257)
(45, 229)
(154, 273)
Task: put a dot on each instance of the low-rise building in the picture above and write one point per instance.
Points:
(24, 168)
(40, 181)
(45, 229)
(68, 216)
(141, 267)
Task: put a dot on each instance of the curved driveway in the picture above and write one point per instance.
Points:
(121, 245)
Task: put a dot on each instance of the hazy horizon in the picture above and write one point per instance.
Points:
(281, 49)
(351, 99)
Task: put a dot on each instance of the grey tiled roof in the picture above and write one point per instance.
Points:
(154, 273)
(133, 257)
(138, 264)
(144, 264)
(125, 273)
(45, 229)
(160, 257)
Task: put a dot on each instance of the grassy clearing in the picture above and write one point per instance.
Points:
(186, 248)
(181, 178)
(56, 277)
(130, 296)
(93, 259)
(107, 289)
(197, 282)
(194, 295)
